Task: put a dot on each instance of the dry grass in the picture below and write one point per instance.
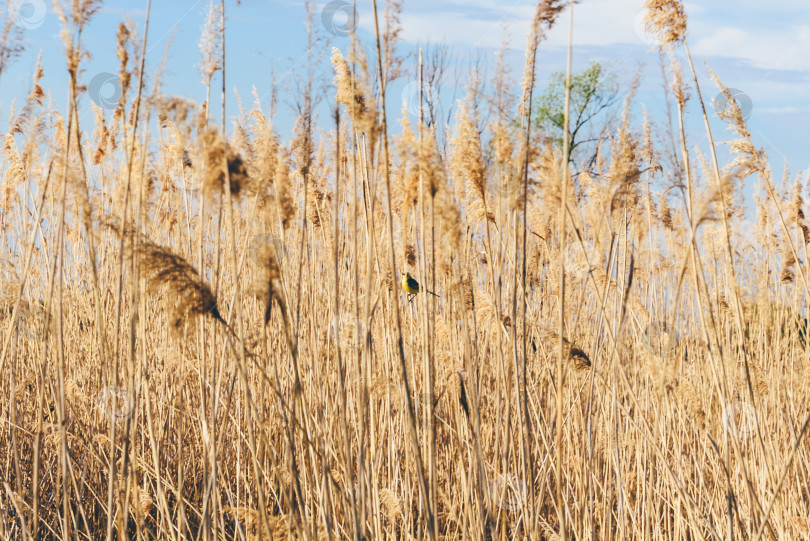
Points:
(235, 359)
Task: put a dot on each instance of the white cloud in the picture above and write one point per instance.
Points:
(783, 49)
(486, 23)
(748, 31)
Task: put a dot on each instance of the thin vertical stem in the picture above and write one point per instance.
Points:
(420, 470)
(563, 354)
(427, 346)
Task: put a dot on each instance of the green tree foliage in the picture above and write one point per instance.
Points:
(593, 91)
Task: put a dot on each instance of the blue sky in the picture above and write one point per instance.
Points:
(761, 49)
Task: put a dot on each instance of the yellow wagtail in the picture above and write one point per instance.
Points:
(411, 286)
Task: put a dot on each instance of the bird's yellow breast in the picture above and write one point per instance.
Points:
(409, 284)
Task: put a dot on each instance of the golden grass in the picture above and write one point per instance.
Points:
(236, 360)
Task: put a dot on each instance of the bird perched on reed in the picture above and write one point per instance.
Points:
(411, 286)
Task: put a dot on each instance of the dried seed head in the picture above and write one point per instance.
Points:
(667, 19)
(188, 296)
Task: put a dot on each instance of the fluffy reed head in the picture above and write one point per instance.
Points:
(188, 296)
(667, 19)
(354, 92)
(221, 164)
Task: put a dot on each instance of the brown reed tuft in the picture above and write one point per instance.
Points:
(221, 164)
(354, 93)
(466, 164)
(188, 296)
(666, 18)
(548, 340)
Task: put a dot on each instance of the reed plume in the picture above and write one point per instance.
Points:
(188, 296)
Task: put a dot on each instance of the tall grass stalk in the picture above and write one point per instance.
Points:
(561, 511)
(413, 437)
